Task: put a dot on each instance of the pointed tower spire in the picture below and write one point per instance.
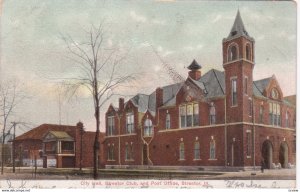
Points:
(238, 28)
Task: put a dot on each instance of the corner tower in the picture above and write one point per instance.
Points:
(238, 63)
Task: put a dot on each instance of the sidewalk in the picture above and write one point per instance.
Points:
(71, 173)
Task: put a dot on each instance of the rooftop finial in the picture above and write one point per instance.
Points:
(194, 65)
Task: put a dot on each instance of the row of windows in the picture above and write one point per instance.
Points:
(128, 152)
(189, 116)
(212, 150)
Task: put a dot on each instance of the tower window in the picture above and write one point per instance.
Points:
(248, 136)
(246, 85)
(232, 53)
(233, 92)
(248, 52)
(250, 107)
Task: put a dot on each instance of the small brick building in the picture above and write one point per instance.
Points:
(56, 146)
(218, 119)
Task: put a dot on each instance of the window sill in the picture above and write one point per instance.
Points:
(212, 159)
(181, 160)
(129, 160)
(111, 160)
(248, 157)
(148, 135)
(189, 127)
(197, 159)
(233, 105)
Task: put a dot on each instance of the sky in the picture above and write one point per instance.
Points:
(34, 53)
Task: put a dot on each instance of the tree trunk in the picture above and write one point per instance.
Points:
(96, 143)
(2, 153)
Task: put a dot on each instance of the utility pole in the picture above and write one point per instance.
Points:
(81, 129)
(13, 147)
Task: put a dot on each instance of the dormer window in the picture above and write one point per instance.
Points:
(148, 128)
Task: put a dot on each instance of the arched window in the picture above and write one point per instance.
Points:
(232, 53)
(197, 150)
(212, 113)
(110, 152)
(212, 149)
(248, 52)
(129, 151)
(148, 128)
(168, 121)
(181, 151)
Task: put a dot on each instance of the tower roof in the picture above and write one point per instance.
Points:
(194, 65)
(238, 28)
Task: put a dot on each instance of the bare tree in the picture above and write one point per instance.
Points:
(11, 95)
(98, 73)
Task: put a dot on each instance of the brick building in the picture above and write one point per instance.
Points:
(218, 119)
(56, 146)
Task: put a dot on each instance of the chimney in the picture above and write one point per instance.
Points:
(159, 97)
(194, 72)
(121, 104)
(196, 75)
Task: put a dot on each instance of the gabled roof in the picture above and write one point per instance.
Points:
(194, 65)
(262, 84)
(59, 135)
(141, 102)
(39, 132)
(214, 82)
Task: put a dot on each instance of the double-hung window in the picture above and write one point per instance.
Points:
(189, 115)
(196, 150)
(168, 121)
(274, 114)
(233, 92)
(129, 123)
(110, 125)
